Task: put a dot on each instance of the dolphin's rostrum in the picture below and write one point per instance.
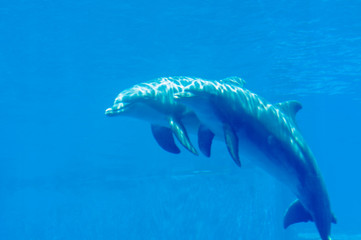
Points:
(251, 127)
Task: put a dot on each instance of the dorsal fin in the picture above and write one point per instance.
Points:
(290, 108)
(234, 80)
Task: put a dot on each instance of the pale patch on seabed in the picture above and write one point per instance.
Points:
(315, 236)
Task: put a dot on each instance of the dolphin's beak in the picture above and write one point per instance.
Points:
(109, 112)
(117, 108)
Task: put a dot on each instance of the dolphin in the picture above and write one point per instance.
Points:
(268, 135)
(154, 102)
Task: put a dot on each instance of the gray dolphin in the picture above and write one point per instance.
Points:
(268, 135)
(154, 102)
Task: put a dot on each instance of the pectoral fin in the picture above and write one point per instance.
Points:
(205, 138)
(164, 138)
(231, 140)
(181, 134)
(296, 213)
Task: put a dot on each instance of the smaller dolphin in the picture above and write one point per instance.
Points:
(268, 135)
(154, 102)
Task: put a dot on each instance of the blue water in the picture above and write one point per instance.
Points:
(69, 172)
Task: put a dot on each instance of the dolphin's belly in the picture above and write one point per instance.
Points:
(277, 165)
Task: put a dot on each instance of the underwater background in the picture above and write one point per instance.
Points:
(69, 172)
